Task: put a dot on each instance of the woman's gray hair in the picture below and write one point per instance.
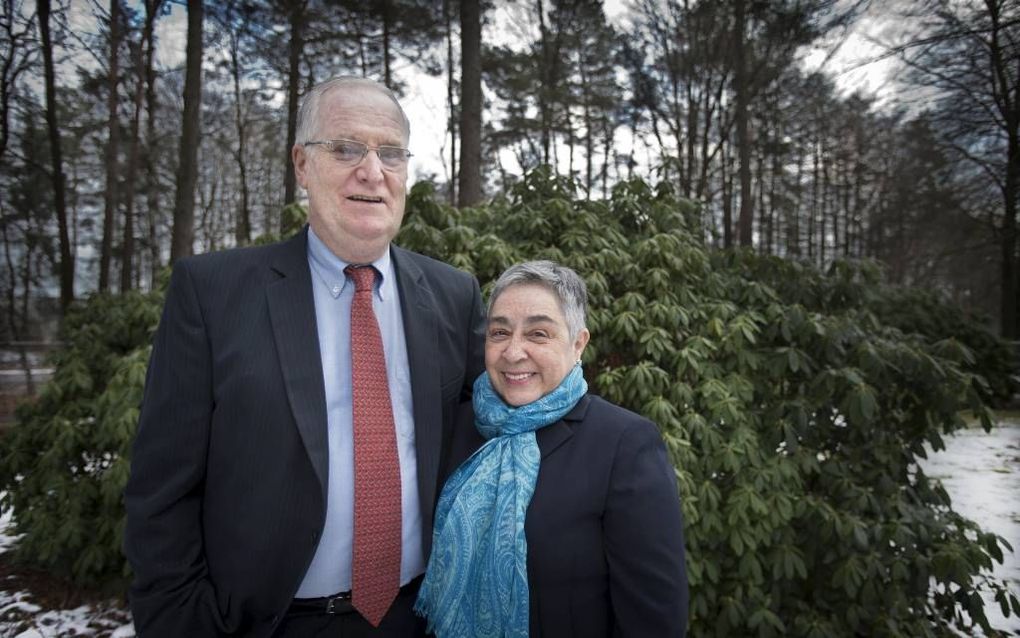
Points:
(566, 284)
(308, 113)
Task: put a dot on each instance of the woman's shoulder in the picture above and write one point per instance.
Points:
(610, 417)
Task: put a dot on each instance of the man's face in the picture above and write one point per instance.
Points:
(355, 210)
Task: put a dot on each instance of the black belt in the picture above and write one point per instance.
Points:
(339, 604)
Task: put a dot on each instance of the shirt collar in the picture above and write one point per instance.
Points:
(330, 268)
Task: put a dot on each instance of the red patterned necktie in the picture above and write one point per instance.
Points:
(377, 531)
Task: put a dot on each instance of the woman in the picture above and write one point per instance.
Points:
(566, 521)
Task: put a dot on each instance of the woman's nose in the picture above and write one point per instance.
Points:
(514, 351)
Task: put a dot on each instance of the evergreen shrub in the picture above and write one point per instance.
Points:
(794, 403)
(64, 464)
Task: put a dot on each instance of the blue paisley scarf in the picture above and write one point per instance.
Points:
(476, 583)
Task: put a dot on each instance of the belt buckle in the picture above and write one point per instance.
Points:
(331, 603)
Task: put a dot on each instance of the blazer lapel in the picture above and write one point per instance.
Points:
(551, 437)
(417, 308)
(292, 313)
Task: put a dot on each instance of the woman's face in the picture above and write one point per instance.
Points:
(528, 349)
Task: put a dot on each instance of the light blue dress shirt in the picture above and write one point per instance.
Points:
(330, 570)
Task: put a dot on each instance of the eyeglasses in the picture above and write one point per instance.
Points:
(350, 152)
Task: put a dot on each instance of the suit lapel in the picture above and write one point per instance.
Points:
(292, 313)
(551, 437)
(417, 309)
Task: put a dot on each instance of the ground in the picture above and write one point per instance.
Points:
(34, 604)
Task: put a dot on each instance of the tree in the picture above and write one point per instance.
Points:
(140, 58)
(559, 89)
(967, 53)
(680, 69)
(187, 171)
(470, 183)
(152, 8)
(237, 21)
(765, 37)
(297, 20)
(56, 159)
(17, 59)
(591, 50)
(112, 146)
(453, 118)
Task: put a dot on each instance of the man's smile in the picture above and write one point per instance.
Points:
(365, 198)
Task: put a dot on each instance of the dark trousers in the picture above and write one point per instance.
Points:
(399, 622)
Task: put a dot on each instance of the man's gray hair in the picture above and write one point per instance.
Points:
(308, 114)
(566, 284)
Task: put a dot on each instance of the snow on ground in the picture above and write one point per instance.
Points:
(22, 618)
(981, 472)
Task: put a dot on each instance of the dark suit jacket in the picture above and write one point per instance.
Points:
(227, 493)
(604, 527)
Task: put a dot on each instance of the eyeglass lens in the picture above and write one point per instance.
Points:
(351, 152)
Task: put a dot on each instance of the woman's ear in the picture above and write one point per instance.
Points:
(581, 342)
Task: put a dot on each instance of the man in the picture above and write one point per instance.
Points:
(298, 411)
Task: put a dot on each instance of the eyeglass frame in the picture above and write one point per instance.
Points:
(328, 144)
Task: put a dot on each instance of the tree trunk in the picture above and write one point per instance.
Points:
(691, 140)
(470, 182)
(387, 72)
(1008, 316)
(451, 103)
(59, 195)
(773, 219)
(607, 142)
(839, 183)
(12, 322)
(17, 59)
(1009, 107)
(793, 222)
(127, 268)
(242, 227)
(589, 134)
(816, 180)
(726, 181)
(823, 213)
(745, 220)
(151, 176)
(183, 239)
(297, 21)
(545, 88)
(112, 149)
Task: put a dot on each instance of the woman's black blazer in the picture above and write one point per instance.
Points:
(604, 527)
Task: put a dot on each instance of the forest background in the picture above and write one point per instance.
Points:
(112, 165)
(798, 284)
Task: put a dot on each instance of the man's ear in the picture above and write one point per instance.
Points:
(300, 159)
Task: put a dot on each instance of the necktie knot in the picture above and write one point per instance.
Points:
(362, 276)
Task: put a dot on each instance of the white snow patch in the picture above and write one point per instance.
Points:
(980, 471)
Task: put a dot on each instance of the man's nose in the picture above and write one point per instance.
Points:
(370, 168)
